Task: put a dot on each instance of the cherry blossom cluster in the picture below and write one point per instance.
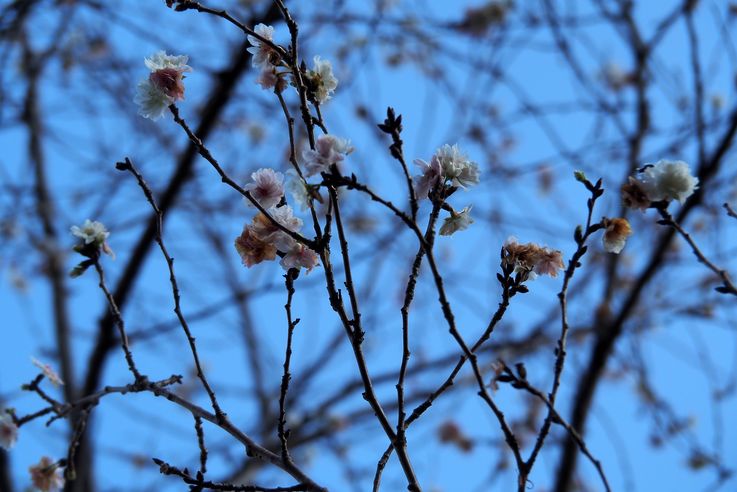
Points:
(163, 87)
(448, 167)
(662, 181)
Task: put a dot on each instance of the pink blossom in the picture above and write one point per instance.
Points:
(329, 150)
(267, 187)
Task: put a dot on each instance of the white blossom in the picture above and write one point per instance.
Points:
(267, 187)
(91, 231)
(263, 54)
(447, 164)
(329, 150)
(431, 174)
(321, 79)
(8, 432)
(456, 166)
(668, 180)
(160, 60)
(152, 102)
(48, 372)
(458, 221)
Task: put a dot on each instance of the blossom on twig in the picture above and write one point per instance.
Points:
(164, 85)
(267, 187)
(329, 150)
(8, 432)
(45, 475)
(531, 260)
(457, 221)
(448, 164)
(321, 83)
(662, 181)
(615, 235)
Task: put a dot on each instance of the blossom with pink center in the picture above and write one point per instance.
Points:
(45, 475)
(616, 234)
(8, 432)
(267, 187)
(163, 87)
(448, 163)
(329, 150)
(48, 372)
(299, 256)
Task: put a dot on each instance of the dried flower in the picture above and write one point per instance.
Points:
(163, 86)
(616, 234)
(8, 432)
(45, 475)
(530, 259)
(253, 249)
(320, 80)
(264, 56)
(458, 221)
(633, 194)
(267, 187)
(329, 150)
(48, 372)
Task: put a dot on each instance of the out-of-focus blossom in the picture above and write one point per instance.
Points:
(531, 259)
(298, 189)
(91, 231)
(267, 187)
(448, 163)
(663, 180)
(164, 85)
(8, 432)
(298, 256)
(458, 221)
(269, 78)
(45, 476)
(450, 432)
(320, 80)
(48, 372)
(264, 55)
(252, 249)
(615, 76)
(329, 150)
(633, 195)
(616, 234)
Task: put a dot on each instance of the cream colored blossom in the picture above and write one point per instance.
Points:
(616, 234)
(45, 476)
